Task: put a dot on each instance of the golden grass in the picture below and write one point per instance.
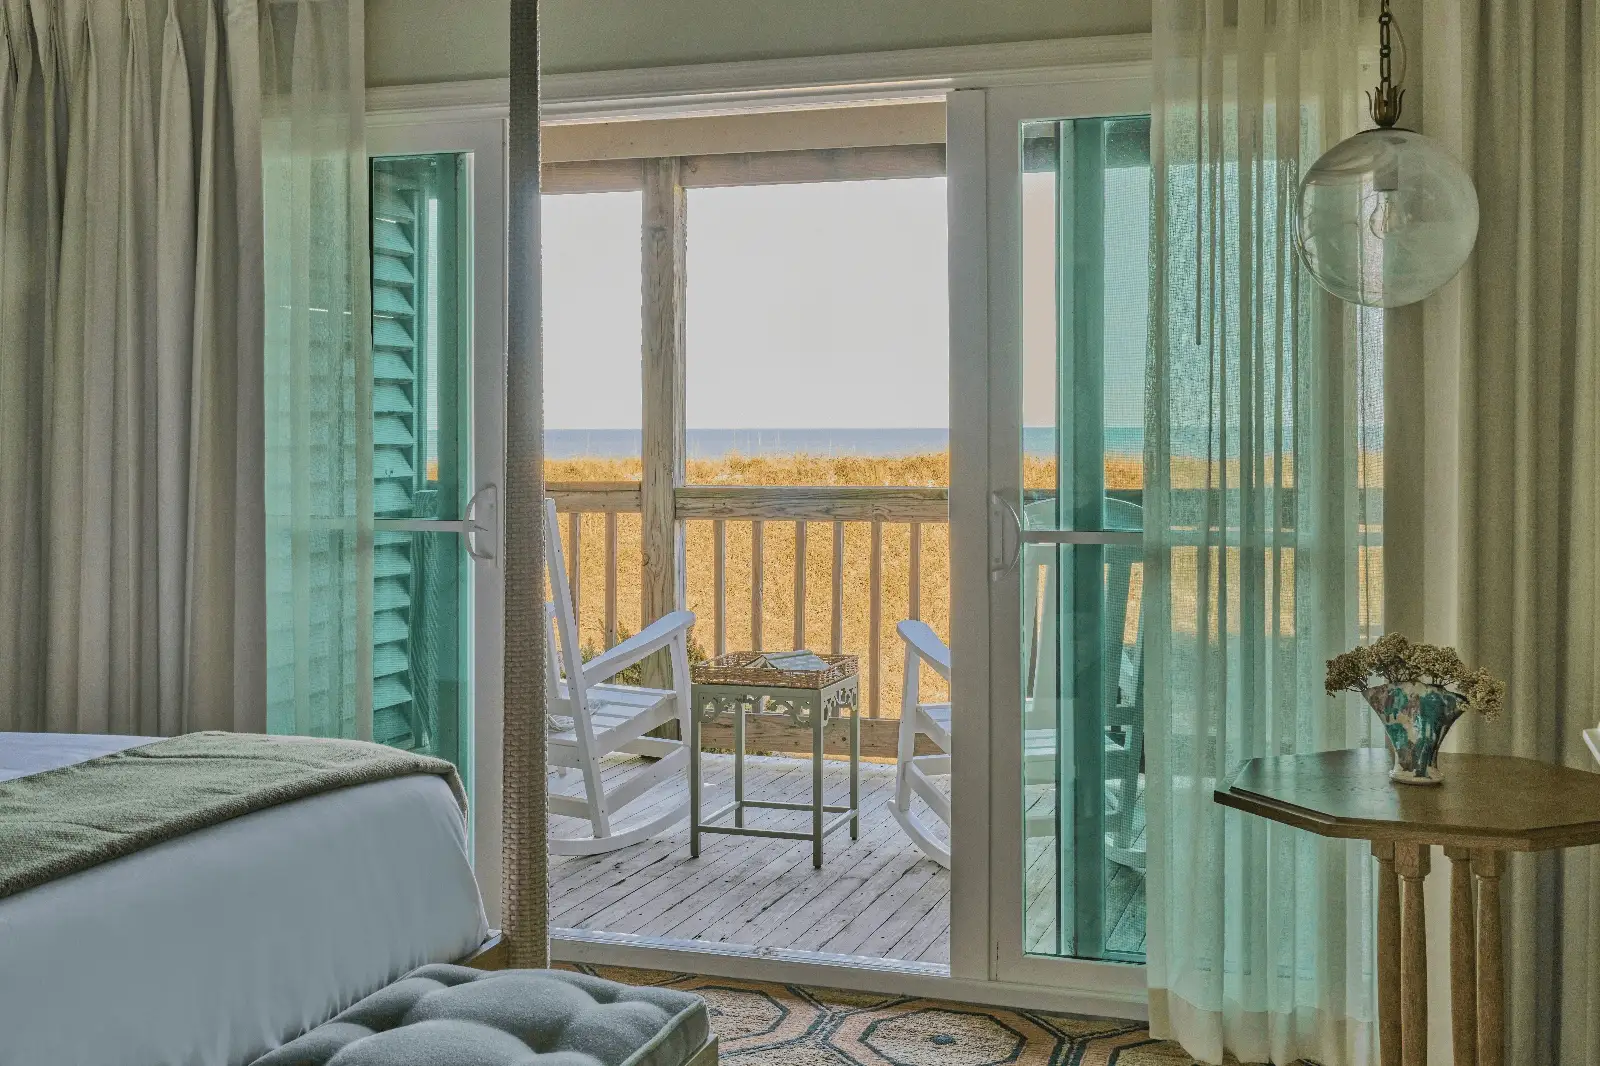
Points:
(778, 556)
(777, 613)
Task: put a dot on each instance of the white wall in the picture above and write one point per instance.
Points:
(412, 41)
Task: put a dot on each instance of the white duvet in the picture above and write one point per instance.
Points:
(213, 948)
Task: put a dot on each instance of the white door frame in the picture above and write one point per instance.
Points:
(484, 141)
(984, 161)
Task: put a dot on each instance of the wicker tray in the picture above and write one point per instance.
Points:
(736, 668)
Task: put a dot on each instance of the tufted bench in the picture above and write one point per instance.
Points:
(443, 1015)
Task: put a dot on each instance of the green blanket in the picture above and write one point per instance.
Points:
(65, 820)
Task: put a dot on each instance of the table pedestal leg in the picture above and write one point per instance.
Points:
(1388, 955)
(1463, 959)
(1488, 866)
(818, 722)
(738, 764)
(1412, 861)
(855, 770)
(694, 782)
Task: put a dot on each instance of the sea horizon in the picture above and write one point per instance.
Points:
(711, 444)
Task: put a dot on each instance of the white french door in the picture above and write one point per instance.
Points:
(1049, 266)
(438, 332)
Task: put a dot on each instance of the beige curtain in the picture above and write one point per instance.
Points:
(130, 367)
(1262, 534)
(1530, 606)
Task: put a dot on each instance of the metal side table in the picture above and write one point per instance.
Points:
(744, 682)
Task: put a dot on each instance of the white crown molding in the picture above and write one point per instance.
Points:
(776, 84)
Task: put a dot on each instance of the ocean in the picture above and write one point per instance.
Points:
(716, 443)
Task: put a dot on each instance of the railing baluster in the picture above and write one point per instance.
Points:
(799, 585)
(837, 642)
(719, 592)
(611, 579)
(575, 564)
(757, 579)
(875, 617)
(914, 581)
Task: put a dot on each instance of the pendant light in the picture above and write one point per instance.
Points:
(1388, 216)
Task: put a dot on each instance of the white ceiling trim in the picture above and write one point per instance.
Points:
(776, 84)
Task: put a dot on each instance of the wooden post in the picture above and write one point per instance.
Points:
(1388, 954)
(665, 291)
(1488, 866)
(1463, 960)
(1412, 861)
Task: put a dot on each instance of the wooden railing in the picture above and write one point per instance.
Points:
(761, 506)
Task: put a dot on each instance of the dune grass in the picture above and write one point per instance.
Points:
(931, 469)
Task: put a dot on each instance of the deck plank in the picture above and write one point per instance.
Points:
(876, 897)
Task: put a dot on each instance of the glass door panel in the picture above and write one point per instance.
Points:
(1084, 251)
(422, 303)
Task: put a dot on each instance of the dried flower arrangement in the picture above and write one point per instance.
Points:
(1396, 660)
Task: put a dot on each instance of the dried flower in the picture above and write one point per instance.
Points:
(1398, 661)
(1439, 666)
(1388, 657)
(1349, 671)
(1484, 691)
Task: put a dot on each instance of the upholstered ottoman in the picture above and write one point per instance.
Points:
(444, 1015)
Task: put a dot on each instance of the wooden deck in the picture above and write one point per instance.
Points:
(877, 897)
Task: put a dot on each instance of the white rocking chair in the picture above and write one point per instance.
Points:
(590, 718)
(1124, 744)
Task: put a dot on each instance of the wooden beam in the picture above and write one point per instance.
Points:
(752, 168)
(869, 126)
(608, 175)
(813, 165)
(813, 503)
(591, 496)
(665, 291)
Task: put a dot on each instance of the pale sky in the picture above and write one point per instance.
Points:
(818, 305)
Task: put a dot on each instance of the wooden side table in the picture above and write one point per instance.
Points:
(740, 682)
(1487, 806)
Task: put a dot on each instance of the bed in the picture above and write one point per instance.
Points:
(217, 946)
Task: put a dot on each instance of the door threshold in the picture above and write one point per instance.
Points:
(818, 969)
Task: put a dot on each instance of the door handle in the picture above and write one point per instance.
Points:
(1003, 520)
(1008, 536)
(472, 528)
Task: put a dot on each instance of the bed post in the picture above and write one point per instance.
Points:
(525, 912)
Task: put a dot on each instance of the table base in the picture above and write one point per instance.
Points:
(1477, 968)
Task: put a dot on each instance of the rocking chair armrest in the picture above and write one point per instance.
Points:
(923, 641)
(652, 638)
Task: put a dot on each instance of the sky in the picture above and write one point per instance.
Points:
(817, 306)
(820, 305)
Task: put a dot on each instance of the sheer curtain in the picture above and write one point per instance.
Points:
(318, 370)
(130, 367)
(1262, 525)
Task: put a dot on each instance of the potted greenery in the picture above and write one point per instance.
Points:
(1418, 692)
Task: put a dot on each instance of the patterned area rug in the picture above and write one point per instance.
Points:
(788, 1025)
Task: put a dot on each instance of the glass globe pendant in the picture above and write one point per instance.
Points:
(1386, 217)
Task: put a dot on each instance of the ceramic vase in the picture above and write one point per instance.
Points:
(1415, 716)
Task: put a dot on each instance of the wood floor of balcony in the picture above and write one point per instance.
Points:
(876, 897)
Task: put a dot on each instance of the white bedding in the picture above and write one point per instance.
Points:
(213, 948)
